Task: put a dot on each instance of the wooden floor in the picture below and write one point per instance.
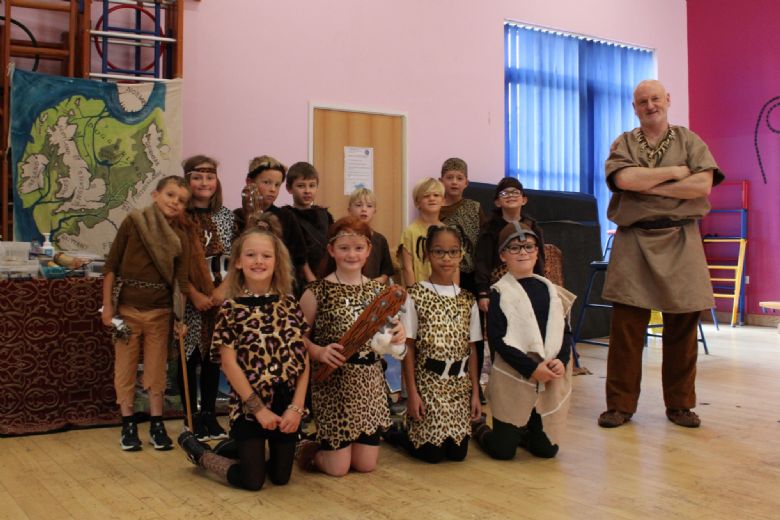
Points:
(729, 468)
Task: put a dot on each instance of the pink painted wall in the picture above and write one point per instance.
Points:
(734, 69)
(252, 67)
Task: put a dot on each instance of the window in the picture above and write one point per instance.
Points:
(567, 98)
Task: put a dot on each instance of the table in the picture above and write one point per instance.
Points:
(56, 358)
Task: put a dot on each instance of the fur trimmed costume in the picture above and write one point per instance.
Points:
(513, 395)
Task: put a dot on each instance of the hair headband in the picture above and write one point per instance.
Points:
(519, 233)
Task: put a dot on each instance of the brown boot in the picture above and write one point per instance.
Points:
(305, 452)
(683, 417)
(613, 419)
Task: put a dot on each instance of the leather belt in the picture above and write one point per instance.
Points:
(661, 223)
(448, 368)
(365, 359)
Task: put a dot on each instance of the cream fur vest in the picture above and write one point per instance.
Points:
(512, 397)
(522, 330)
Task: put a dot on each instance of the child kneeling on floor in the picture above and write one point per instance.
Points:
(530, 382)
(259, 340)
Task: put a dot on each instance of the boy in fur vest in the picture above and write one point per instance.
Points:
(530, 383)
(145, 274)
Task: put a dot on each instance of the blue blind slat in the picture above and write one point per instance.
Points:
(566, 100)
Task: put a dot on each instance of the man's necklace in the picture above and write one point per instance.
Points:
(654, 154)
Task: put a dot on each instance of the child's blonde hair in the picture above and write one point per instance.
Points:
(362, 194)
(282, 281)
(425, 186)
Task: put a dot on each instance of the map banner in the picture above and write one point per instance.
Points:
(85, 153)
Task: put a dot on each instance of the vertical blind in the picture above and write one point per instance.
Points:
(567, 98)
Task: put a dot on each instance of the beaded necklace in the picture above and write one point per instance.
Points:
(654, 154)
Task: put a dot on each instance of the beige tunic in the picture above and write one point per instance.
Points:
(512, 397)
(661, 269)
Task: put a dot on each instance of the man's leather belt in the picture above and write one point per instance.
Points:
(661, 223)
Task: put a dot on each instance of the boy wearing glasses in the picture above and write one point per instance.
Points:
(530, 381)
(509, 200)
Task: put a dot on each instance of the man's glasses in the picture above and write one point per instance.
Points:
(505, 194)
(439, 253)
(516, 248)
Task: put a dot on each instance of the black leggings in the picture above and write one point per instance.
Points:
(209, 382)
(251, 469)
(501, 443)
(431, 453)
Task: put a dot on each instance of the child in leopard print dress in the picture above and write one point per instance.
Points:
(350, 406)
(259, 340)
(213, 225)
(440, 370)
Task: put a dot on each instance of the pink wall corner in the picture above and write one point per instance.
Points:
(252, 69)
(734, 70)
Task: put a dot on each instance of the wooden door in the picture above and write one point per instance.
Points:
(332, 130)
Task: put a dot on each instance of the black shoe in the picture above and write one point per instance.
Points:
(159, 437)
(539, 445)
(193, 448)
(522, 437)
(395, 435)
(535, 441)
(199, 429)
(213, 429)
(128, 439)
(227, 448)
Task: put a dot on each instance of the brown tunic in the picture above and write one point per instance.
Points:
(130, 259)
(661, 269)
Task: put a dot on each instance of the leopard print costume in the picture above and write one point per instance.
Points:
(442, 333)
(267, 334)
(217, 247)
(352, 401)
(466, 215)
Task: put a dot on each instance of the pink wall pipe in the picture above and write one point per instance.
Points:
(252, 67)
(734, 70)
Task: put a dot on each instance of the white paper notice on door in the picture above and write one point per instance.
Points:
(358, 168)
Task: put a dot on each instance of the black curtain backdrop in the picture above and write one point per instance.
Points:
(569, 221)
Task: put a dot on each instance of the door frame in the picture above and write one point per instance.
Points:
(353, 108)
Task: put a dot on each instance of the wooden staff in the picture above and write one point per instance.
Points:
(183, 357)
